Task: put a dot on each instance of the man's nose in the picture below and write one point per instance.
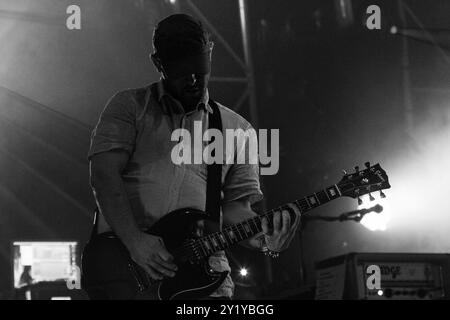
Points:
(192, 79)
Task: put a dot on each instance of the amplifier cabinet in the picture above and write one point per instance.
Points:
(384, 276)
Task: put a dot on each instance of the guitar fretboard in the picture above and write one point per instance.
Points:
(235, 233)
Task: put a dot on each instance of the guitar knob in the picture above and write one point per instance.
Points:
(359, 201)
(356, 169)
(371, 197)
(344, 172)
(367, 164)
(382, 195)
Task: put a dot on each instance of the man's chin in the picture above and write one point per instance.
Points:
(193, 93)
(190, 101)
(192, 96)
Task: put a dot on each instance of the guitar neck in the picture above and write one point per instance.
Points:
(247, 229)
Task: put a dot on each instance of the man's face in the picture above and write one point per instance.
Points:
(187, 78)
(189, 88)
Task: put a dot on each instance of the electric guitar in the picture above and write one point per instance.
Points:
(107, 259)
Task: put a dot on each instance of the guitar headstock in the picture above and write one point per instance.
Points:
(362, 182)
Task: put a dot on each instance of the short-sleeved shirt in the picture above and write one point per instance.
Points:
(141, 122)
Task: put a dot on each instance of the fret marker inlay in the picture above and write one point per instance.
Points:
(332, 192)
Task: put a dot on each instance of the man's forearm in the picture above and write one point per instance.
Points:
(111, 198)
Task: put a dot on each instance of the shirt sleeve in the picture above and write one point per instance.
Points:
(242, 180)
(116, 127)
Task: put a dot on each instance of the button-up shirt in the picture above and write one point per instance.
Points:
(141, 122)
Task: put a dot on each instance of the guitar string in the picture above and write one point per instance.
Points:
(237, 228)
(196, 244)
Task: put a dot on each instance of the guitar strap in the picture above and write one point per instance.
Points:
(214, 177)
(214, 172)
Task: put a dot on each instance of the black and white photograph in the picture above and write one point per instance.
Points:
(225, 155)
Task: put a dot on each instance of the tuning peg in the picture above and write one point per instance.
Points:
(356, 169)
(359, 201)
(344, 172)
(367, 164)
(382, 195)
(371, 197)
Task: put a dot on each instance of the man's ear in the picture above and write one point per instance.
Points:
(156, 62)
(211, 46)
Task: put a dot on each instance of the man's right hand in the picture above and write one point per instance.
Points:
(149, 252)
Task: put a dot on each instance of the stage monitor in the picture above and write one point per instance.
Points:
(43, 261)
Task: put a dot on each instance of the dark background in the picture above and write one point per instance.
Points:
(332, 87)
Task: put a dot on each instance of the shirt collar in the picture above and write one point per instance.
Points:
(162, 92)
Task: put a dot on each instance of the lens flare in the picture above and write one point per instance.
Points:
(243, 272)
(375, 221)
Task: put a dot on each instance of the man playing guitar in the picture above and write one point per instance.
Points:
(134, 180)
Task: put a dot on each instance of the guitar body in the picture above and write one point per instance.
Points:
(107, 260)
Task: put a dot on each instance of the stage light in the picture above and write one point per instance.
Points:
(173, 1)
(380, 292)
(418, 200)
(394, 30)
(243, 272)
(375, 221)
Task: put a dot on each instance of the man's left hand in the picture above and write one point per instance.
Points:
(279, 238)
